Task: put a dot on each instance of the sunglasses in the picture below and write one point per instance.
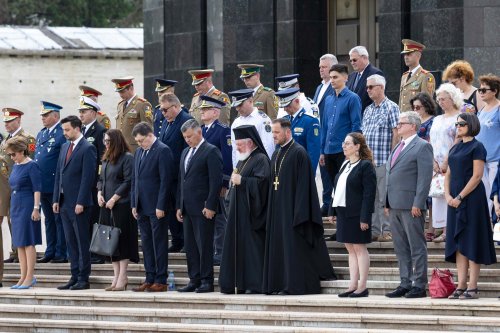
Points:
(460, 124)
(372, 86)
(353, 60)
(417, 107)
(11, 154)
(484, 90)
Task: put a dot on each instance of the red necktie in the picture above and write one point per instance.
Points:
(70, 151)
(396, 153)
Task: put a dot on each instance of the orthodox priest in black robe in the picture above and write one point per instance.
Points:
(242, 262)
(296, 257)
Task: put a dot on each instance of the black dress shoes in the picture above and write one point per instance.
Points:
(43, 260)
(332, 237)
(174, 249)
(189, 288)
(97, 261)
(10, 260)
(416, 292)
(283, 293)
(68, 285)
(59, 261)
(205, 288)
(398, 292)
(251, 292)
(346, 293)
(364, 293)
(80, 286)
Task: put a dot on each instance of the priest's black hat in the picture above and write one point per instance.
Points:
(249, 132)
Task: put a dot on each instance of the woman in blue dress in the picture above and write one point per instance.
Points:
(25, 182)
(469, 238)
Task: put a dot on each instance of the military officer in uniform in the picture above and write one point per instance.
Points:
(219, 135)
(162, 87)
(102, 118)
(12, 121)
(292, 81)
(242, 100)
(202, 82)
(263, 97)
(416, 79)
(48, 145)
(131, 110)
(305, 127)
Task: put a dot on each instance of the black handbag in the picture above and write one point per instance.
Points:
(105, 238)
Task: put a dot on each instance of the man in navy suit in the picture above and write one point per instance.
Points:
(75, 176)
(200, 181)
(93, 132)
(356, 82)
(149, 196)
(171, 135)
(324, 90)
(219, 135)
(48, 146)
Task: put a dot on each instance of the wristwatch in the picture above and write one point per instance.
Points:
(459, 197)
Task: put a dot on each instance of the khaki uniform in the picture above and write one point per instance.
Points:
(136, 111)
(194, 110)
(6, 164)
(103, 119)
(265, 100)
(421, 81)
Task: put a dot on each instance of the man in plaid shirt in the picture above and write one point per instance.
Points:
(379, 128)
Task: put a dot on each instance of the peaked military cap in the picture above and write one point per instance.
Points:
(122, 83)
(10, 114)
(287, 81)
(249, 69)
(48, 107)
(89, 91)
(200, 75)
(87, 103)
(411, 46)
(239, 96)
(286, 96)
(209, 102)
(162, 84)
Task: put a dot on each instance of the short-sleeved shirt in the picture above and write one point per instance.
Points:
(378, 123)
(489, 135)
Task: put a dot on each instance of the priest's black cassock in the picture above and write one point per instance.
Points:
(246, 227)
(296, 256)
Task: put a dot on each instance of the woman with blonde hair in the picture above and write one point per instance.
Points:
(353, 201)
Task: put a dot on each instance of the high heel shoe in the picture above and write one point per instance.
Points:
(109, 288)
(120, 288)
(33, 282)
(14, 286)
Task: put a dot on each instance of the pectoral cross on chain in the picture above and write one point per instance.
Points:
(276, 183)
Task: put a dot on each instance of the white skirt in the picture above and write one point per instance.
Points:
(439, 212)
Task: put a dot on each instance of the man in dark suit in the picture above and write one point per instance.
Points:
(151, 188)
(323, 90)
(48, 146)
(409, 175)
(171, 135)
(356, 82)
(75, 176)
(200, 181)
(93, 132)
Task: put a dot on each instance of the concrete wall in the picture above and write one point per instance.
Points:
(27, 79)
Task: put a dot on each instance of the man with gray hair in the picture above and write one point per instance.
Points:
(379, 128)
(200, 183)
(409, 174)
(356, 82)
(323, 90)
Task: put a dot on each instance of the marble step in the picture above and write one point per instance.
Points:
(180, 271)
(376, 287)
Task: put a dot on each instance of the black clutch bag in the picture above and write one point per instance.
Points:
(105, 238)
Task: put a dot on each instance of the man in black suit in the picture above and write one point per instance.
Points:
(324, 90)
(200, 181)
(171, 135)
(149, 196)
(75, 176)
(356, 82)
(93, 132)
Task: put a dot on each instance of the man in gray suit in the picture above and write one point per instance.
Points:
(409, 174)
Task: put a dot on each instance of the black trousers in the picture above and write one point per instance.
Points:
(199, 246)
(333, 162)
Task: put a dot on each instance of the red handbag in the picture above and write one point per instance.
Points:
(442, 284)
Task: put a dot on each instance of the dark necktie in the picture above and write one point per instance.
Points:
(84, 129)
(143, 156)
(408, 77)
(125, 105)
(190, 157)
(396, 153)
(204, 131)
(70, 152)
(358, 76)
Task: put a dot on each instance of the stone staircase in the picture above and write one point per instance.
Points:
(45, 309)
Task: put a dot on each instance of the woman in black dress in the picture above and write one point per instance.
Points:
(114, 199)
(353, 204)
(469, 239)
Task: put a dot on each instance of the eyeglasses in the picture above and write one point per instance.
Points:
(417, 107)
(402, 123)
(484, 90)
(106, 141)
(460, 124)
(370, 87)
(353, 60)
(11, 154)
(347, 143)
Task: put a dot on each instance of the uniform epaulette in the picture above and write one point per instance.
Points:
(267, 89)
(263, 114)
(197, 94)
(217, 92)
(157, 106)
(101, 113)
(142, 99)
(424, 71)
(222, 125)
